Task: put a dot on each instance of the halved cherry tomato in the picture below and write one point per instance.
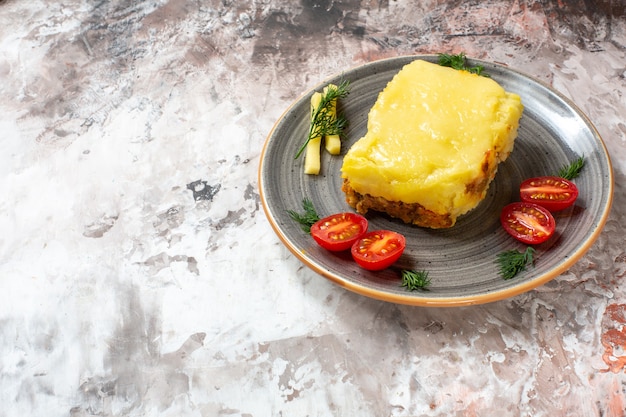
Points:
(528, 222)
(339, 231)
(553, 193)
(378, 249)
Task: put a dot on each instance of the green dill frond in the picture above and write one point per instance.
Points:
(415, 280)
(307, 218)
(323, 121)
(512, 262)
(571, 171)
(459, 62)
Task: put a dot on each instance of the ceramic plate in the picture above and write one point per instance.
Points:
(461, 261)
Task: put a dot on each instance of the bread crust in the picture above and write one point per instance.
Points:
(412, 213)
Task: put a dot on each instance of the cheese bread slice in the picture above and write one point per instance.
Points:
(435, 137)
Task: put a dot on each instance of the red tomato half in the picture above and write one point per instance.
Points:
(339, 231)
(527, 222)
(378, 249)
(553, 193)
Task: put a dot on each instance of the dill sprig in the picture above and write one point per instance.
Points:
(459, 62)
(415, 280)
(571, 171)
(307, 218)
(324, 122)
(512, 262)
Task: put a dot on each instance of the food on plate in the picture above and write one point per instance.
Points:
(435, 137)
(307, 218)
(572, 170)
(324, 123)
(459, 62)
(339, 231)
(312, 159)
(332, 142)
(342, 231)
(512, 262)
(378, 249)
(528, 222)
(415, 280)
(552, 193)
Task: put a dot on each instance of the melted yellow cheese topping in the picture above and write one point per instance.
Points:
(432, 133)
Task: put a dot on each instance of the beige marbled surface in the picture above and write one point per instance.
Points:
(139, 276)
